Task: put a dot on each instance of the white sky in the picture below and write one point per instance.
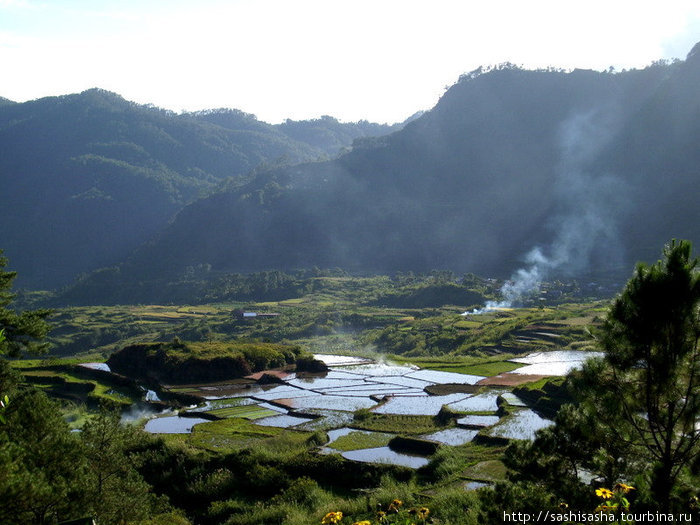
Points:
(380, 60)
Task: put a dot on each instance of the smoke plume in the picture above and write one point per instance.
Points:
(590, 200)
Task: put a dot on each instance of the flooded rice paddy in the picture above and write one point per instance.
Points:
(386, 455)
(452, 436)
(327, 401)
(521, 425)
(556, 363)
(173, 424)
(96, 366)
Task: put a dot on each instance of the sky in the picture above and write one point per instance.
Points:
(377, 60)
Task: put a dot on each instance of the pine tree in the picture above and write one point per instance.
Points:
(25, 331)
(637, 408)
(650, 338)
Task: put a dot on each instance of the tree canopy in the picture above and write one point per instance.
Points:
(25, 331)
(638, 407)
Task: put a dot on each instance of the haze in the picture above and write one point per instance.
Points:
(380, 61)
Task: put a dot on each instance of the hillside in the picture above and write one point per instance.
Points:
(88, 177)
(188, 362)
(596, 169)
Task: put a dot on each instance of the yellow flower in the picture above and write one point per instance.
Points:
(624, 487)
(365, 522)
(604, 493)
(395, 505)
(423, 512)
(332, 518)
(381, 516)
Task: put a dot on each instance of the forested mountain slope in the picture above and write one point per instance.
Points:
(595, 168)
(88, 177)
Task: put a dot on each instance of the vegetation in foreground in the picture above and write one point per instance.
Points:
(122, 475)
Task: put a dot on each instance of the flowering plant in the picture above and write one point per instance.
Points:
(614, 500)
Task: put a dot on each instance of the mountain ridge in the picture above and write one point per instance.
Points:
(88, 177)
(510, 160)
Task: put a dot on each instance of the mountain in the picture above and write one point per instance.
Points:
(554, 172)
(87, 178)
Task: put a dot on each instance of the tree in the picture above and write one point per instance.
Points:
(638, 406)
(650, 338)
(117, 491)
(42, 467)
(23, 332)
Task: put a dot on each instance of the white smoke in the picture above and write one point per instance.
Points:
(140, 411)
(590, 201)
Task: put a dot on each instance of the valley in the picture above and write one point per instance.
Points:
(424, 396)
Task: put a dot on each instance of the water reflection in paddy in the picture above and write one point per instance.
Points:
(338, 360)
(379, 369)
(486, 402)
(372, 390)
(452, 436)
(97, 366)
(478, 421)
(282, 421)
(385, 455)
(408, 405)
(436, 376)
(317, 383)
(229, 402)
(173, 425)
(521, 425)
(556, 355)
(339, 432)
(332, 402)
(513, 400)
(284, 392)
(401, 381)
(475, 485)
(328, 419)
(557, 363)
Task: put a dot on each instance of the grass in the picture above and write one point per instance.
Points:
(539, 384)
(490, 470)
(480, 366)
(397, 424)
(61, 382)
(245, 411)
(359, 440)
(228, 435)
(449, 464)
